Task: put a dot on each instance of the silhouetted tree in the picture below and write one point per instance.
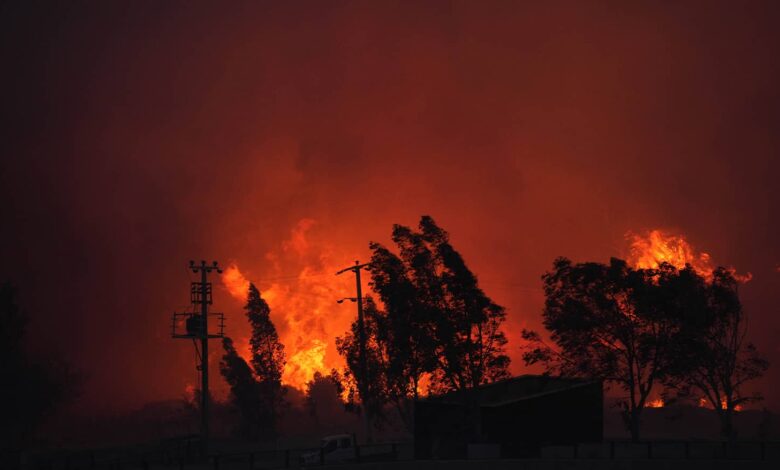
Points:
(371, 389)
(32, 389)
(267, 352)
(438, 323)
(464, 324)
(607, 321)
(403, 331)
(256, 391)
(245, 394)
(712, 357)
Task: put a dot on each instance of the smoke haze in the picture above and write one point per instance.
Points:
(140, 135)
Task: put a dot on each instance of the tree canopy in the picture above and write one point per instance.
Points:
(643, 328)
(256, 391)
(713, 358)
(245, 392)
(268, 357)
(436, 325)
(372, 390)
(461, 323)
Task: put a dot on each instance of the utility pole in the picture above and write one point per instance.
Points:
(361, 343)
(197, 328)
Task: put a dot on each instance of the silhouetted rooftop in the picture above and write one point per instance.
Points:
(518, 388)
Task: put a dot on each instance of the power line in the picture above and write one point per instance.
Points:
(291, 277)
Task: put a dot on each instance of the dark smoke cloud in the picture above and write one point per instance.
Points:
(140, 135)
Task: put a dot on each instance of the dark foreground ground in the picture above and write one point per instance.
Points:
(680, 437)
(615, 455)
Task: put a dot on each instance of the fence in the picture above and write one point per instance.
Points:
(666, 450)
(184, 455)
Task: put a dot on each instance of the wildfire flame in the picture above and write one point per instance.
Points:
(300, 368)
(235, 282)
(657, 403)
(656, 247)
(303, 305)
(704, 403)
(648, 251)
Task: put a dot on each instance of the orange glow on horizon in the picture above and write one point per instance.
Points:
(657, 403)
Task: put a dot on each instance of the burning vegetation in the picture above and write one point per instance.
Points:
(664, 319)
(422, 285)
(434, 327)
(655, 247)
(301, 291)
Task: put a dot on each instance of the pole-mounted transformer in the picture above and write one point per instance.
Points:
(194, 325)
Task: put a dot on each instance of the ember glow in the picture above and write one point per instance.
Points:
(303, 305)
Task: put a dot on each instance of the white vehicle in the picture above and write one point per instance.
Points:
(333, 449)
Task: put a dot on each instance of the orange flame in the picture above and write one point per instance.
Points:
(303, 305)
(655, 247)
(704, 403)
(235, 282)
(657, 403)
(300, 368)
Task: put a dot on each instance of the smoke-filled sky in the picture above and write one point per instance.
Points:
(284, 136)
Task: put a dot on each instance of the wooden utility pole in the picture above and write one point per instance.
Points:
(361, 344)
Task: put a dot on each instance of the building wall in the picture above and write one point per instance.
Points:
(566, 417)
(521, 427)
(439, 431)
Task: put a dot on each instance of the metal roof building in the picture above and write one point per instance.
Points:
(519, 415)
